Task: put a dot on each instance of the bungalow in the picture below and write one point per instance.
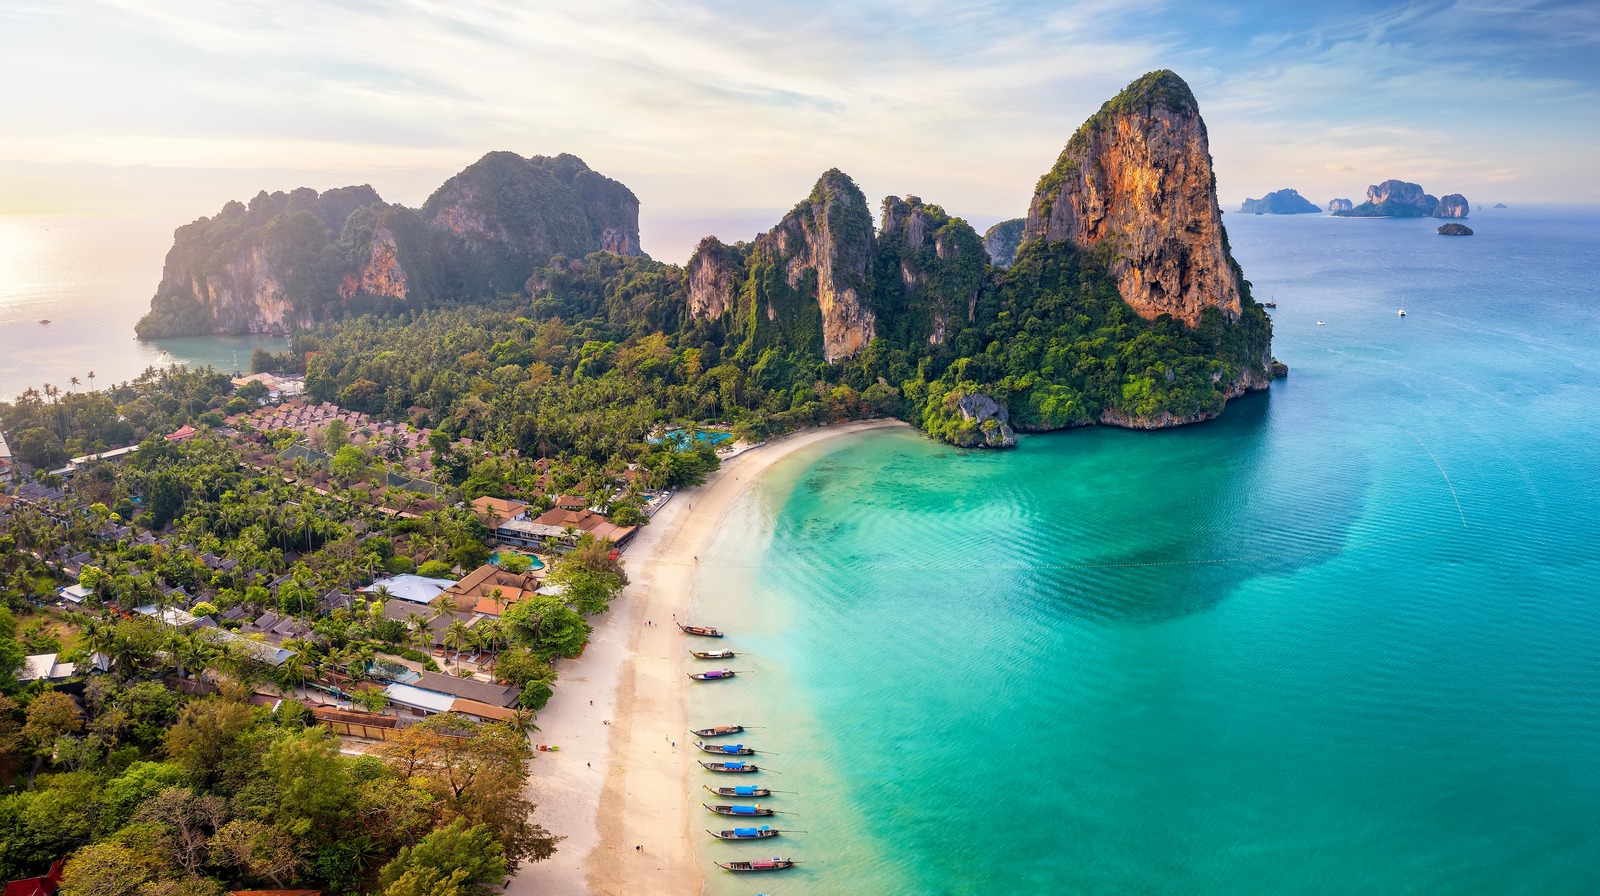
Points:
(44, 885)
(436, 693)
(476, 592)
(182, 434)
(494, 511)
(43, 667)
(411, 588)
(74, 594)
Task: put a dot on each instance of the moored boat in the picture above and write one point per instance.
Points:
(741, 790)
(713, 675)
(746, 811)
(772, 864)
(734, 767)
(704, 631)
(729, 749)
(713, 654)
(760, 833)
(717, 731)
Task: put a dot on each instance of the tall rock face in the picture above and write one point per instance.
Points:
(714, 277)
(509, 214)
(292, 259)
(1138, 177)
(810, 277)
(930, 268)
(1453, 205)
(1340, 205)
(1003, 240)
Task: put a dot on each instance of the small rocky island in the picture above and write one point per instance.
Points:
(1454, 229)
(1500, 205)
(1280, 202)
(1340, 205)
(1402, 199)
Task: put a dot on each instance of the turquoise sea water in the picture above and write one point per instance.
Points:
(1345, 639)
(92, 278)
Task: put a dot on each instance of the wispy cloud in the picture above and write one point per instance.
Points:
(700, 105)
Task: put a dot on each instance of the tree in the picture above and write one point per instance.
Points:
(349, 465)
(106, 869)
(39, 448)
(51, 715)
(258, 848)
(207, 736)
(311, 781)
(188, 821)
(336, 435)
(545, 624)
(452, 859)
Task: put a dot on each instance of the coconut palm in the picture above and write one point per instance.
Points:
(456, 636)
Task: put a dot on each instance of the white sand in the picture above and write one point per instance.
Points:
(613, 787)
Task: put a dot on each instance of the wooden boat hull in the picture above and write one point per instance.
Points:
(732, 811)
(755, 792)
(743, 768)
(713, 676)
(733, 835)
(702, 631)
(781, 865)
(713, 654)
(715, 750)
(719, 731)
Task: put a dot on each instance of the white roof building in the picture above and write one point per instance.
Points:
(411, 588)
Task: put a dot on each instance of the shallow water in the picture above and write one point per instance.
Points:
(1341, 640)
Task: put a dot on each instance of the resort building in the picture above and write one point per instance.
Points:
(435, 693)
(564, 526)
(494, 511)
(43, 667)
(488, 590)
(411, 588)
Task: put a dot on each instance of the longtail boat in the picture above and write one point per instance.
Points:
(772, 864)
(741, 790)
(741, 767)
(713, 675)
(713, 654)
(718, 731)
(704, 631)
(730, 749)
(746, 811)
(760, 833)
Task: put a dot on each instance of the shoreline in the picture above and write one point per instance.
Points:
(620, 706)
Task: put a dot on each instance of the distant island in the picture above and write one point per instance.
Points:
(1115, 301)
(1280, 202)
(1340, 205)
(1402, 199)
(1454, 229)
(1500, 205)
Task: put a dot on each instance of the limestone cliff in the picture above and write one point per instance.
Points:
(810, 278)
(1453, 205)
(1137, 177)
(1340, 205)
(1002, 241)
(930, 266)
(292, 259)
(1279, 202)
(715, 275)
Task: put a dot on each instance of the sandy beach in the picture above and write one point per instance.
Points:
(618, 782)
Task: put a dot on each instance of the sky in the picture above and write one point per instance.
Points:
(721, 115)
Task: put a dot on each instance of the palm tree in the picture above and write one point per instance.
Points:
(291, 673)
(457, 635)
(75, 382)
(91, 380)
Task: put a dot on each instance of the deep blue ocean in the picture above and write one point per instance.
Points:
(1345, 639)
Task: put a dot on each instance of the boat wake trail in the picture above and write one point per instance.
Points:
(1453, 496)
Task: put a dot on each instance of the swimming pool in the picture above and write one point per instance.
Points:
(681, 437)
(533, 562)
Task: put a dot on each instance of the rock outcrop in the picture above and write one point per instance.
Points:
(1402, 199)
(1137, 177)
(292, 259)
(1003, 240)
(1453, 205)
(714, 275)
(985, 422)
(1340, 205)
(940, 262)
(1453, 229)
(1280, 202)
